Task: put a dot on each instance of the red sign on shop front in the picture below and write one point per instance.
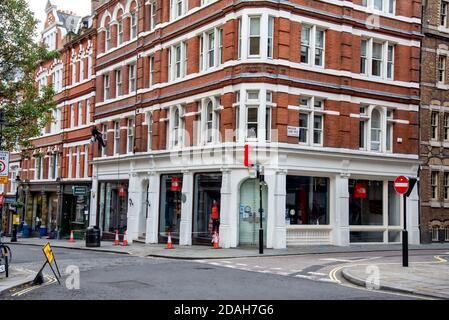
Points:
(122, 192)
(175, 184)
(401, 184)
(360, 191)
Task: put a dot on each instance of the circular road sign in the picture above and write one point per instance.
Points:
(2, 166)
(401, 184)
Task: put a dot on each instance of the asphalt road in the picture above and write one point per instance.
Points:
(114, 276)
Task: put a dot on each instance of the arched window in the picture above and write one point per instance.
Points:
(150, 131)
(376, 130)
(108, 37)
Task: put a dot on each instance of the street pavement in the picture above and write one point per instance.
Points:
(116, 276)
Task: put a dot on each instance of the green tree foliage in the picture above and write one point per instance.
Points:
(25, 110)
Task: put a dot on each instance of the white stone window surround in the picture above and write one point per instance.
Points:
(388, 6)
(242, 106)
(385, 227)
(174, 63)
(178, 9)
(205, 49)
(384, 121)
(215, 133)
(311, 111)
(369, 58)
(313, 29)
(175, 132)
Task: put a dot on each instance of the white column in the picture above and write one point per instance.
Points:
(185, 236)
(226, 210)
(153, 209)
(279, 198)
(134, 206)
(413, 217)
(341, 214)
(94, 195)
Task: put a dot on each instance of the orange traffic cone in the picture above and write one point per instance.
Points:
(169, 243)
(125, 239)
(215, 240)
(72, 239)
(116, 241)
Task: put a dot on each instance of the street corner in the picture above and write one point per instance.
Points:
(17, 278)
(427, 279)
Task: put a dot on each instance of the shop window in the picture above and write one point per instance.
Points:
(366, 236)
(207, 189)
(113, 206)
(394, 206)
(365, 202)
(307, 200)
(170, 206)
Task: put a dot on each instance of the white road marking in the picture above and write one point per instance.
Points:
(336, 260)
(276, 268)
(316, 273)
(303, 276)
(226, 261)
(241, 264)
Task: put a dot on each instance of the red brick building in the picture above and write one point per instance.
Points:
(60, 160)
(328, 90)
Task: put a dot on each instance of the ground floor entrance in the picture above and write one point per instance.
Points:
(113, 207)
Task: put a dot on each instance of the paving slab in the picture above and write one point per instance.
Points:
(207, 252)
(17, 278)
(425, 279)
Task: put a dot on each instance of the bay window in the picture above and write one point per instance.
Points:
(254, 36)
(312, 45)
(270, 37)
(252, 114)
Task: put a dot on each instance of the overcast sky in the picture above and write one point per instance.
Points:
(80, 7)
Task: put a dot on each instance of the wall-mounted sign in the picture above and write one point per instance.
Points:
(79, 190)
(292, 131)
(175, 184)
(4, 167)
(360, 191)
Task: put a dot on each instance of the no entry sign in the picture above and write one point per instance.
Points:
(401, 184)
